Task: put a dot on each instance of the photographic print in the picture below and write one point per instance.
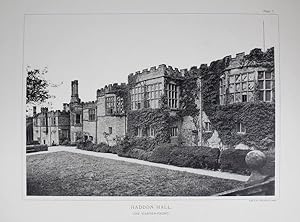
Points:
(150, 104)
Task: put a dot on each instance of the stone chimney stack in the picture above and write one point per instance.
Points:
(74, 92)
(74, 88)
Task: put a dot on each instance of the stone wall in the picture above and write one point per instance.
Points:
(89, 127)
(118, 125)
(73, 131)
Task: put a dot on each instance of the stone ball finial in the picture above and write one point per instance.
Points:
(255, 159)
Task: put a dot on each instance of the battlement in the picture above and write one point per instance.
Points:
(154, 71)
(44, 111)
(88, 103)
(255, 56)
(110, 88)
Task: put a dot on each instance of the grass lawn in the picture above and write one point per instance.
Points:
(71, 174)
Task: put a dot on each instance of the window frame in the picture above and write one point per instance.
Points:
(174, 131)
(264, 90)
(240, 128)
(92, 114)
(76, 115)
(240, 86)
(110, 105)
(53, 121)
(139, 132)
(172, 93)
(207, 127)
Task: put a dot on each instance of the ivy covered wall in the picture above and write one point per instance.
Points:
(158, 119)
(257, 117)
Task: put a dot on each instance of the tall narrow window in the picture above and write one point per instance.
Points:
(78, 119)
(139, 132)
(119, 105)
(152, 132)
(240, 128)
(222, 90)
(137, 96)
(43, 121)
(92, 114)
(265, 84)
(207, 127)
(172, 93)
(53, 121)
(174, 131)
(110, 105)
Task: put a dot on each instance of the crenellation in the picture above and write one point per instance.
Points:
(183, 72)
(98, 117)
(109, 89)
(240, 55)
(153, 68)
(162, 66)
(193, 68)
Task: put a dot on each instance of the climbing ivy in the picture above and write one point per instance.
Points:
(158, 119)
(257, 117)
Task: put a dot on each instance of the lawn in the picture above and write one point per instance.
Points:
(72, 174)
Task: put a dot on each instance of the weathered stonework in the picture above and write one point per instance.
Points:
(160, 88)
(51, 127)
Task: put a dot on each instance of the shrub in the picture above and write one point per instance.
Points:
(233, 160)
(126, 146)
(143, 143)
(139, 154)
(114, 149)
(211, 158)
(195, 157)
(101, 147)
(183, 156)
(85, 145)
(68, 143)
(161, 153)
(186, 156)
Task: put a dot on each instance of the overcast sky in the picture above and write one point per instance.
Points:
(102, 49)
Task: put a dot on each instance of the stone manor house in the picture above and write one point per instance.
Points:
(238, 83)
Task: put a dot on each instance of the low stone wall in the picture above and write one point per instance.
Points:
(265, 188)
(36, 148)
(258, 184)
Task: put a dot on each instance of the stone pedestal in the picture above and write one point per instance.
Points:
(255, 161)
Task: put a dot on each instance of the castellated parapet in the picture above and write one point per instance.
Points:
(111, 88)
(44, 111)
(256, 57)
(89, 104)
(155, 72)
